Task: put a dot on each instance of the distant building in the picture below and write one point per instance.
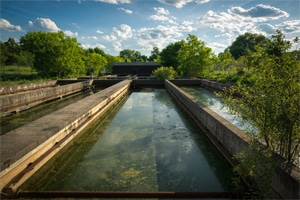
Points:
(135, 68)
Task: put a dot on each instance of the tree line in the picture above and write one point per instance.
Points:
(56, 55)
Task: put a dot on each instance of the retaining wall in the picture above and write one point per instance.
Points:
(15, 102)
(11, 89)
(26, 149)
(233, 140)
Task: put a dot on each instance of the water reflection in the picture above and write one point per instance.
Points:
(215, 103)
(146, 144)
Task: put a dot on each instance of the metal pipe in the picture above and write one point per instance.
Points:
(95, 194)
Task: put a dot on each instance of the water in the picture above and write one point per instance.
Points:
(209, 99)
(18, 119)
(146, 144)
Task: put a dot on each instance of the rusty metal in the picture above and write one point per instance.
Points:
(96, 194)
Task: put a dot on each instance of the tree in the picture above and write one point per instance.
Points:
(225, 59)
(154, 54)
(3, 53)
(194, 57)
(55, 55)
(246, 42)
(163, 73)
(110, 61)
(272, 102)
(13, 50)
(131, 55)
(169, 55)
(94, 63)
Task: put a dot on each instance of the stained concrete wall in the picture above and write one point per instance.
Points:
(18, 101)
(25, 87)
(285, 181)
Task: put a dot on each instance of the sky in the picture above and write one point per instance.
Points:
(115, 25)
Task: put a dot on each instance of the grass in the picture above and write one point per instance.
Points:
(231, 76)
(13, 75)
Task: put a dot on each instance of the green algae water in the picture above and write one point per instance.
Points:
(146, 144)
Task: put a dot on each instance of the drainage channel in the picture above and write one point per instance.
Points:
(146, 147)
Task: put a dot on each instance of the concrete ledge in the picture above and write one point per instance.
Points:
(25, 87)
(285, 181)
(23, 147)
(15, 102)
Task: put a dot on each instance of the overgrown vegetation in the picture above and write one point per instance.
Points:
(271, 104)
(163, 73)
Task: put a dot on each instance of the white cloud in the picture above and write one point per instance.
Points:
(161, 35)
(125, 10)
(92, 37)
(87, 46)
(161, 16)
(109, 37)
(8, 27)
(99, 31)
(181, 3)
(116, 1)
(117, 46)
(161, 11)
(238, 20)
(70, 33)
(265, 28)
(124, 31)
(42, 24)
(259, 13)
(214, 45)
(291, 26)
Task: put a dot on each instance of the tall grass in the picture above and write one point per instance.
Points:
(13, 74)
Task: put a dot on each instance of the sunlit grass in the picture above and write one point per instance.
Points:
(13, 75)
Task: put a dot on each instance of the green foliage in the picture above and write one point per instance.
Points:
(271, 103)
(169, 55)
(226, 59)
(55, 55)
(94, 62)
(154, 54)
(194, 57)
(132, 55)
(257, 167)
(245, 43)
(163, 73)
(110, 61)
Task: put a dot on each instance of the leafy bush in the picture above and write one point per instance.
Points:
(163, 73)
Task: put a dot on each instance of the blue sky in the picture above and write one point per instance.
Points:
(115, 25)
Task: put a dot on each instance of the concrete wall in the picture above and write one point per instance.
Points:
(18, 101)
(25, 87)
(233, 140)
